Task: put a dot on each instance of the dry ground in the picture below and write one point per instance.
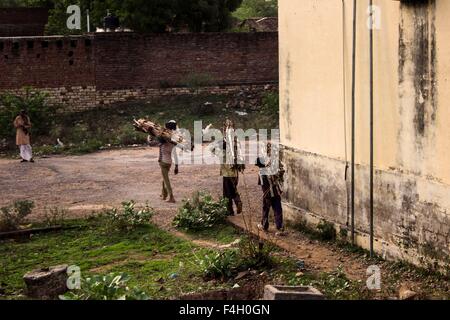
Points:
(84, 184)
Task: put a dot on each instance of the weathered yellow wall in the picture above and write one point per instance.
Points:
(440, 162)
(412, 119)
(315, 53)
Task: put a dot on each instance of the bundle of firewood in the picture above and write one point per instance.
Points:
(158, 132)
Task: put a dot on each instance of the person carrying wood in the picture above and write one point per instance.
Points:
(167, 156)
(271, 184)
(231, 167)
(22, 124)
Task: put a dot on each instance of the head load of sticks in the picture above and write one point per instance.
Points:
(159, 132)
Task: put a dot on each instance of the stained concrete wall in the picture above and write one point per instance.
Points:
(412, 133)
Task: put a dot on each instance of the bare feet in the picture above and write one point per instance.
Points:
(281, 233)
(260, 227)
(172, 200)
(239, 208)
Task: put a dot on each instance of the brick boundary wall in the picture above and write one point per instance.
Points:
(83, 72)
(78, 99)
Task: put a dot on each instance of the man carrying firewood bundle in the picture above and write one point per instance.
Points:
(231, 167)
(271, 183)
(168, 139)
(167, 156)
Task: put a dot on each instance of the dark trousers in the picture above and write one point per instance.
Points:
(275, 204)
(231, 194)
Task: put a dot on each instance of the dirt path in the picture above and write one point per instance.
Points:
(83, 184)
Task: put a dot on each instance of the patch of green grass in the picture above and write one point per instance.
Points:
(334, 285)
(147, 254)
(432, 283)
(324, 231)
(223, 234)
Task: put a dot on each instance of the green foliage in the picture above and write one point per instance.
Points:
(127, 136)
(54, 216)
(108, 287)
(271, 103)
(100, 128)
(336, 282)
(251, 254)
(257, 9)
(149, 15)
(255, 254)
(41, 114)
(219, 265)
(200, 212)
(326, 231)
(11, 217)
(129, 218)
(146, 254)
(334, 285)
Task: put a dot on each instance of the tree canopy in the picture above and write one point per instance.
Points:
(143, 15)
(156, 15)
(257, 8)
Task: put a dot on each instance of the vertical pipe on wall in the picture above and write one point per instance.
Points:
(371, 128)
(353, 122)
(344, 94)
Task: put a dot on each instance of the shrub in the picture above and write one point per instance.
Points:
(271, 103)
(220, 265)
(201, 212)
(109, 287)
(11, 217)
(41, 114)
(251, 254)
(129, 218)
(255, 254)
(127, 136)
(54, 216)
(326, 231)
(87, 146)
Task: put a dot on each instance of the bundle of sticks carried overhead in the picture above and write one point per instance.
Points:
(159, 132)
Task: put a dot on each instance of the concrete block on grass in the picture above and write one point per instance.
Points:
(292, 293)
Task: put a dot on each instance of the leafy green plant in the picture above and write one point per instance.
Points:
(201, 212)
(334, 285)
(219, 265)
(108, 287)
(326, 231)
(11, 217)
(41, 114)
(255, 254)
(54, 216)
(257, 8)
(271, 103)
(251, 254)
(129, 218)
(127, 136)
